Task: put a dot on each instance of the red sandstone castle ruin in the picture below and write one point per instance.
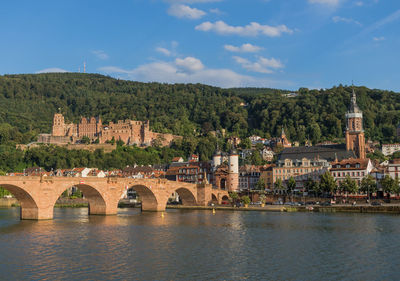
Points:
(129, 131)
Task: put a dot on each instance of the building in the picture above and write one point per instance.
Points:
(356, 169)
(139, 172)
(393, 168)
(305, 162)
(192, 172)
(355, 139)
(129, 131)
(267, 175)
(282, 141)
(249, 175)
(301, 168)
(267, 154)
(389, 149)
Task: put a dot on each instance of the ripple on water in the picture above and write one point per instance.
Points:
(197, 245)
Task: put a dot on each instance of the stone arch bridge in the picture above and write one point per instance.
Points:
(38, 194)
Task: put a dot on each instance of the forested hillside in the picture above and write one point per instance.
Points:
(28, 103)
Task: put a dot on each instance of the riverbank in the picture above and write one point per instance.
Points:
(388, 209)
(8, 202)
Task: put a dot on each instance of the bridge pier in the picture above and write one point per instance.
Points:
(35, 213)
(153, 207)
(100, 209)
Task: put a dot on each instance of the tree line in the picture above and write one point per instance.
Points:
(29, 102)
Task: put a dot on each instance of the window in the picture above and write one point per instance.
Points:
(357, 165)
(347, 165)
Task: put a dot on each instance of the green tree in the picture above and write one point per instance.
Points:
(234, 197)
(245, 199)
(278, 184)
(85, 140)
(259, 146)
(245, 143)
(327, 183)
(120, 142)
(255, 158)
(311, 185)
(389, 185)
(260, 185)
(377, 155)
(291, 185)
(368, 185)
(349, 185)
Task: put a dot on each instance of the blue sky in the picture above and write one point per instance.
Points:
(229, 43)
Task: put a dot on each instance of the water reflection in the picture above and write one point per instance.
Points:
(197, 245)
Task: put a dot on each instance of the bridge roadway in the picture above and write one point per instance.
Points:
(38, 194)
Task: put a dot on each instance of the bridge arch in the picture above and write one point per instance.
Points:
(29, 207)
(150, 202)
(186, 195)
(97, 203)
(214, 199)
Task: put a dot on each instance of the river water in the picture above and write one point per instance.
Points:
(197, 245)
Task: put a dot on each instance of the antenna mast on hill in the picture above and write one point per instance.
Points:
(84, 67)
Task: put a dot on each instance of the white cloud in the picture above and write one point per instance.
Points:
(252, 29)
(100, 54)
(190, 70)
(216, 11)
(359, 3)
(245, 48)
(52, 69)
(262, 65)
(163, 51)
(325, 2)
(189, 64)
(337, 19)
(184, 11)
(379, 38)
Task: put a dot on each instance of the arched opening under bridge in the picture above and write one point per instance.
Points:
(28, 206)
(80, 195)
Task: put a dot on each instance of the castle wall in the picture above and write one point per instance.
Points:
(129, 131)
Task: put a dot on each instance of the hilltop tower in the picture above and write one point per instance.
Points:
(355, 139)
(233, 171)
(58, 125)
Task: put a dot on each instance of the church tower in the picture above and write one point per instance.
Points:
(355, 139)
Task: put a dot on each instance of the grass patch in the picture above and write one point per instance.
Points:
(71, 205)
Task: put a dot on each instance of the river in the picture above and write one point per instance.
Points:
(199, 245)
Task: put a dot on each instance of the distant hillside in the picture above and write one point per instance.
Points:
(28, 103)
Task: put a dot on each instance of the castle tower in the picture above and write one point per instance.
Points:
(233, 172)
(355, 139)
(58, 125)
